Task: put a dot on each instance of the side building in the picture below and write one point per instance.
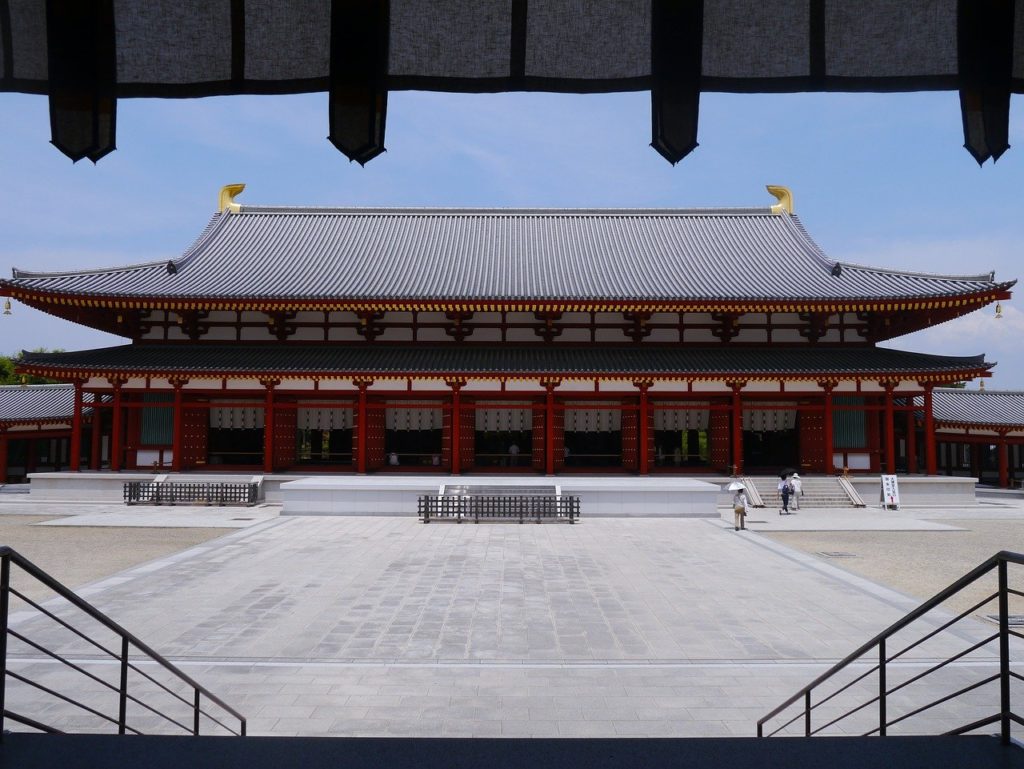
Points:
(980, 434)
(36, 422)
(505, 341)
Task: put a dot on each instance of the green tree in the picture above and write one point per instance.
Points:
(7, 375)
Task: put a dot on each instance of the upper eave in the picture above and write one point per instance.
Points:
(743, 260)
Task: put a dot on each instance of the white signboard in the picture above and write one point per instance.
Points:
(890, 493)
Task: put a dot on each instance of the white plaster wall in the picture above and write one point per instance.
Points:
(396, 335)
(486, 335)
(343, 335)
(615, 335)
(307, 335)
(574, 335)
(698, 335)
(663, 335)
(257, 334)
(750, 335)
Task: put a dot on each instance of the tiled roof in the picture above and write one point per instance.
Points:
(645, 255)
(980, 407)
(506, 360)
(36, 403)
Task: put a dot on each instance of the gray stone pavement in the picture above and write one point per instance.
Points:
(383, 626)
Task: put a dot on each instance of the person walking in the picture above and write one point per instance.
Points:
(739, 508)
(796, 490)
(783, 489)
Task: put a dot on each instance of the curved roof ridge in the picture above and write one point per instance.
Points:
(180, 261)
(499, 211)
(43, 386)
(18, 274)
(216, 221)
(987, 277)
(959, 390)
(816, 251)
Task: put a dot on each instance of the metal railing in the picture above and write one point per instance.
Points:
(198, 493)
(879, 660)
(198, 702)
(521, 507)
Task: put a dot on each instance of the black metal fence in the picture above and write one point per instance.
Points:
(142, 691)
(521, 507)
(199, 493)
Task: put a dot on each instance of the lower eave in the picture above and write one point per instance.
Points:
(42, 299)
(1002, 427)
(286, 361)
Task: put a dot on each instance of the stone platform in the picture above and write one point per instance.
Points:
(600, 496)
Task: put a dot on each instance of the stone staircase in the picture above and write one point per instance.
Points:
(819, 491)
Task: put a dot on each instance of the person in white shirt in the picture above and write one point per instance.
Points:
(796, 490)
(739, 508)
(783, 489)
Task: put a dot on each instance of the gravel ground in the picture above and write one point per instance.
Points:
(69, 553)
(917, 563)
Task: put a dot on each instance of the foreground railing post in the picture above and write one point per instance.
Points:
(1004, 654)
(122, 716)
(195, 715)
(881, 689)
(5, 585)
(807, 713)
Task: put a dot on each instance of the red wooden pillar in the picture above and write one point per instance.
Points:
(178, 426)
(890, 431)
(1004, 462)
(549, 427)
(911, 441)
(268, 425)
(737, 427)
(116, 427)
(456, 427)
(361, 428)
(827, 428)
(75, 454)
(3, 455)
(929, 433)
(97, 427)
(643, 429)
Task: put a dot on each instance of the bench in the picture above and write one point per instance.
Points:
(489, 507)
(192, 493)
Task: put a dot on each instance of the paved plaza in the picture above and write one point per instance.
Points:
(380, 626)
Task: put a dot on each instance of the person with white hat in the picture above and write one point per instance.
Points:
(739, 506)
(796, 490)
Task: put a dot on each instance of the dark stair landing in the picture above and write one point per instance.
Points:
(39, 751)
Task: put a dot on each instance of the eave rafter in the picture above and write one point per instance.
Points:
(929, 377)
(66, 305)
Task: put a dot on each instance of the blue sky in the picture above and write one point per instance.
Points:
(877, 179)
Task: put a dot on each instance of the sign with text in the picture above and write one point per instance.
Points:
(890, 492)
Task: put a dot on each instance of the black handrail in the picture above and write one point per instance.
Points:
(8, 556)
(998, 561)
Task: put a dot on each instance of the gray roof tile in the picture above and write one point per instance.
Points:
(505, 255)
(979, 407)
(34, 403)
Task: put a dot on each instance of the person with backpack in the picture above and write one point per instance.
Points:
(796, 490)
(784, 490)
